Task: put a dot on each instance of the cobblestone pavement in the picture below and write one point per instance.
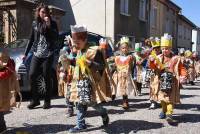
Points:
(138, 119)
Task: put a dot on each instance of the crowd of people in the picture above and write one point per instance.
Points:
(89, 77)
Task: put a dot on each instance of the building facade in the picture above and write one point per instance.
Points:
(185, 27)
(164, 19)
(110, 18)
(16, 17)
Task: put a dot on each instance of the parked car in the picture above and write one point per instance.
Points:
(16, 50)
(93, 38)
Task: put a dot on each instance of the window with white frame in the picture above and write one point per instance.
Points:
(153, 18)
(142, 10)
(124, 7)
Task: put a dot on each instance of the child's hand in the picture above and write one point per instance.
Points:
(88, 62)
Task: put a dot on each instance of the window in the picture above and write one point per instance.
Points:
(142, 10)
(124, 7)
(153, 18)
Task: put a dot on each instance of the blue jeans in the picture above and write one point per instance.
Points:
(82, 110)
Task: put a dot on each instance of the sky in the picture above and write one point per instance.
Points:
(190, 9)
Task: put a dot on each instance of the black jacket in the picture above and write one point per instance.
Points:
(51, 35)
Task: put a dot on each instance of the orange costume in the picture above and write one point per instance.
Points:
(122, 76)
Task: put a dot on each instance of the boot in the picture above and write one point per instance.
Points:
(47, 105)
(105, 119)
(113, 97)
(139, 88)
(125, 104)
(33, 104)
(162, 115)
(77, 129)
(170, 120)
(192, 83)
(70, 112)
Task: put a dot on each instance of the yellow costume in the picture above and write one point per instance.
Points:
(172, 64)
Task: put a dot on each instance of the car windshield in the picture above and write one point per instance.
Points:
(21, 43)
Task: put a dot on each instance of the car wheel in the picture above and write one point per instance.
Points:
(41, 85)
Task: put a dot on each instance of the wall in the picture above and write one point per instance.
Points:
(157, 28)
(1, 27)
(196, 40)
(69, 18)
(166, 21)
(130, 25)
(92, 14)
(10, 33)
(184, 35)
(25, 18)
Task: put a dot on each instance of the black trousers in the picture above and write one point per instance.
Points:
(2, 121)
(139, 86)
(38, 66)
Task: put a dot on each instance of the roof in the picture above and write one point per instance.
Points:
(187, 20)
(171, 5)
(175, 5)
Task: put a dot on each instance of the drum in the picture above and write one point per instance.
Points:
(166, 81)
(84, 88)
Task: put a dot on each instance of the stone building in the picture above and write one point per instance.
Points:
(164, 19)
(16, 18)
(110, 18)
(184, 38)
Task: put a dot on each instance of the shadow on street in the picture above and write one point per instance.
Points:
(40, 129)
(127, 126)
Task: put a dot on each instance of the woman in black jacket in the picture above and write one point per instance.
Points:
(43, 43)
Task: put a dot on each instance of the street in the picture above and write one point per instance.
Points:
(138, 119)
